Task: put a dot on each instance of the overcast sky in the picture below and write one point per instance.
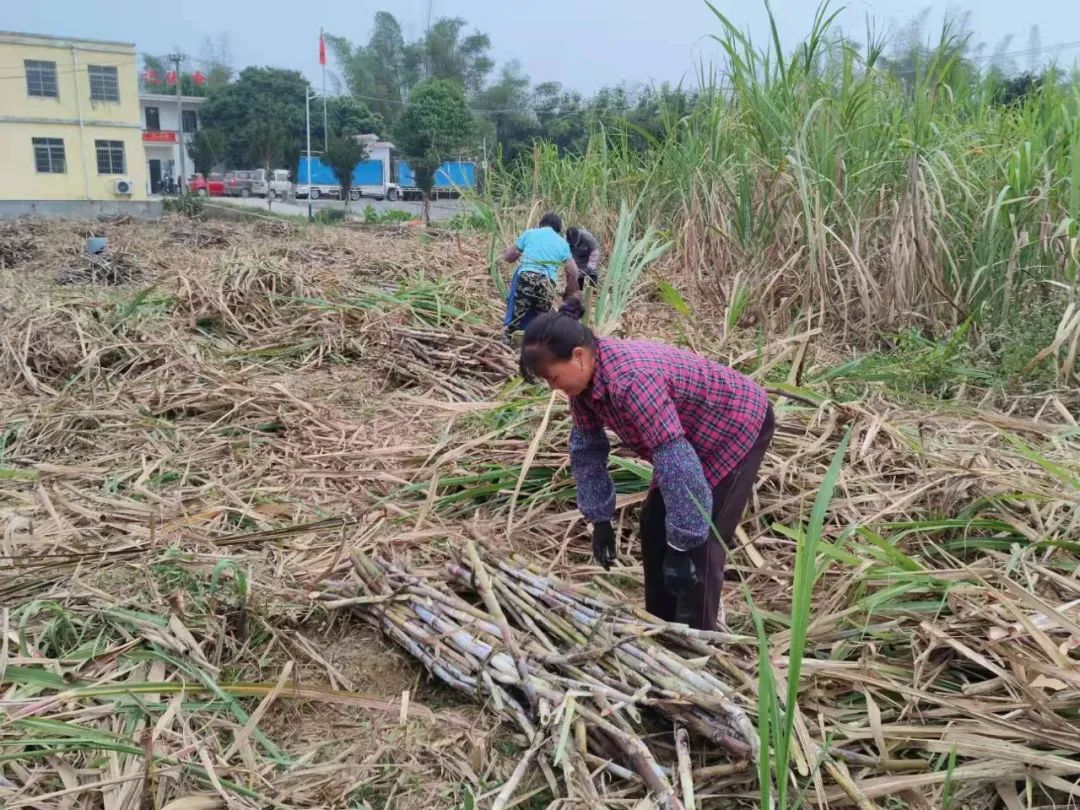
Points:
(584, 44)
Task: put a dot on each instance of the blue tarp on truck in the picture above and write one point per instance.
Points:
(368, 173)
(457, 174)
(321, 175)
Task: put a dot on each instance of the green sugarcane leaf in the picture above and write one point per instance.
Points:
(564, 728)
(34, 676)
(17, 474)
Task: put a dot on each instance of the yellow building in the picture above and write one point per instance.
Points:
(70, 124)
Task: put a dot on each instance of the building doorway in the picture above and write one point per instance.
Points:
(155, 176)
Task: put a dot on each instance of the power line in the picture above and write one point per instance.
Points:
(65, 71)
(1029, 52)
(994, 56)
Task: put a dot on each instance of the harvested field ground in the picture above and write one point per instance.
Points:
(221, 461)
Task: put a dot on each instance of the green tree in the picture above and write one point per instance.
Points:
(343, 156)
(216, 59)
(154, 70)
(347, 116)
(206, 150)
(1014, 89)
(511, 123)
(258, 95)
(639, 115)
(917, 61)
(375, 71)
(266, 141)
(436, 124)
(383, 72)
(563, 116)
(264, 100)
(444, 53)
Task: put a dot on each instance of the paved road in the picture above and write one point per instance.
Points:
(440, 209)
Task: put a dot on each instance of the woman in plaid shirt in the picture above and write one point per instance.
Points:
(704, 427)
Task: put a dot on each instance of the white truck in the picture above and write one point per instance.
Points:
(273, 184)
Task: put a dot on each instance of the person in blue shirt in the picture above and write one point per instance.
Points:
(539, 252)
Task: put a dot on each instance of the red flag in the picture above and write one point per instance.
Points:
(150, 76)
(322, 50)
(170, 78)
(198, 77)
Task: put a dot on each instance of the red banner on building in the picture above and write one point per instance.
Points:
(164, 136)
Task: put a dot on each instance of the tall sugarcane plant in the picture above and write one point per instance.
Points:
(621, 276)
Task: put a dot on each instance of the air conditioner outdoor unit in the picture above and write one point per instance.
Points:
(123, 186)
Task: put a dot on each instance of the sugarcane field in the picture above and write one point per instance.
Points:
(284, 528)
(725, 460)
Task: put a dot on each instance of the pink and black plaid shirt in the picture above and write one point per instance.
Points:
(649, 394)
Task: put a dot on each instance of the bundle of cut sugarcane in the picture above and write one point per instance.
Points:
(191, 233)
(276, 228)
(462, 365)
(572, 670)
(110, 269)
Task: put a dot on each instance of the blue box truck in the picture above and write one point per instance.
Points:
(451, 178)
(371, 178)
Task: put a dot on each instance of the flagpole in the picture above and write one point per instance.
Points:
(322, 55)
(307, 117)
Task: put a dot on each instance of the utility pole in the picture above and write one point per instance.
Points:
(176, 59)
(307, 113)
(427, 42)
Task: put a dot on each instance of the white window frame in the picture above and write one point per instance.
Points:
(54, 153)
(42, 73)
(110, 147)
(104, 83)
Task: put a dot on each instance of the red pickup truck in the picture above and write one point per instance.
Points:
(203, 187)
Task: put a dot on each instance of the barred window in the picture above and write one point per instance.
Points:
(41, 78)
(110, 157)
(49, 155)
(190, 120)
(104, 83)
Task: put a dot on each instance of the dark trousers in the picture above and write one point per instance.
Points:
(700, 607)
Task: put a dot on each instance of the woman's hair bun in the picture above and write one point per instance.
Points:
(573, 307)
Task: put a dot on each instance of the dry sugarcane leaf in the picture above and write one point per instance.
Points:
(196, 802)
(1053, 684)
(1006, 791)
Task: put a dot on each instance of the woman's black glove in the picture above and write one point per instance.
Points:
(603, 544)
(680, 573)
